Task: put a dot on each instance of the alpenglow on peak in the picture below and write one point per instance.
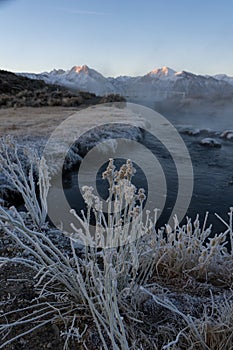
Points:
(79, 69)
(163, 72)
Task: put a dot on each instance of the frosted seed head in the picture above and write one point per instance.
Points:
(222, 239)
(189, 228)
(120, 175)
(130, 170)
(196, 223)
(88, 195)
(109, 172)
(204, 253)
(141, 195)
(104, 175)
(98, 204)
(213, 242)
(87, 188)
(122, 172)
(129, 191)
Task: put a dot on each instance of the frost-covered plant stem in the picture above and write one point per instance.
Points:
(99, 291)
(229, 227)
(22, 177)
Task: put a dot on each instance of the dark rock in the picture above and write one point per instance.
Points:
(209, 142)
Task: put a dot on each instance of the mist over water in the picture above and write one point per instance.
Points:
(213, 167)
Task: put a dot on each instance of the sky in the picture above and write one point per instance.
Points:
(117, 37)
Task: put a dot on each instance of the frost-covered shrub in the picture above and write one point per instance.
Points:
(114, 285)
(26, 173)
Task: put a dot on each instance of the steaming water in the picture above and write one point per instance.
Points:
(213, 169)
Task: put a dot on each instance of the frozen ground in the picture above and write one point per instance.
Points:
(32, 122)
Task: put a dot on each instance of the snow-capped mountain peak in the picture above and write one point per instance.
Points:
(78, 77)
(162, 72)
(84, 72)
(80, 69)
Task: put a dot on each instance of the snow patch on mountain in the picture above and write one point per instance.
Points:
(224, 77)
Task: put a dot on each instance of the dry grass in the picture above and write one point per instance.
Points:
(40, 121)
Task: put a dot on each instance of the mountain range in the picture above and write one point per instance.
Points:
(158, 84)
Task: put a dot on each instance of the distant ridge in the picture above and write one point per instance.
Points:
(158, 84)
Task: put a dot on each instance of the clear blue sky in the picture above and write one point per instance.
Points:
(117, 37)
